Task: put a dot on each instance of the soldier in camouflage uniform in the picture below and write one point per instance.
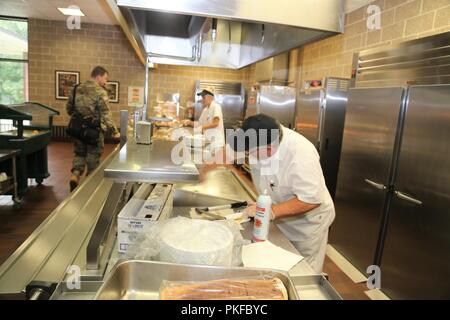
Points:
(91, 99)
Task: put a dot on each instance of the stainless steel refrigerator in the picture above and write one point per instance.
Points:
(320, 117)
(275, 101)
(393, 195)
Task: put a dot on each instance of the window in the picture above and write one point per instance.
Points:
(13, 60)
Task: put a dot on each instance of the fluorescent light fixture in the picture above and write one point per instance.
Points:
(71, 11)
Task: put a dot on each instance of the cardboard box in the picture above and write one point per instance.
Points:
(148, 205)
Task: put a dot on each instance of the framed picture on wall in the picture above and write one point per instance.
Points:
(113, 91)
(65, 80)
(311, 84)
(135, 96)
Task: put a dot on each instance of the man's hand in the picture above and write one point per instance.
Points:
(116, 137)
(187, 123)
(250, 211)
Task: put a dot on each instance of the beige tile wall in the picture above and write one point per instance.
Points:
(54, 47)
(401, 20)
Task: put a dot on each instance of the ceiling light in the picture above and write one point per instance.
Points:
(71, 11)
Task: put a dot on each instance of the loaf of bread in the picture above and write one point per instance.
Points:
(226, 289)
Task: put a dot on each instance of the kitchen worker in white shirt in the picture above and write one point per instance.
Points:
(210, 122)
(287, 165)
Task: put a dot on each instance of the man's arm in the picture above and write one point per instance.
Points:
(106, 119)
(70, 107)
(305, 180)
(291, 208)
(213, 124)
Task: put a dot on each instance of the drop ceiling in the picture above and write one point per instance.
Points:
(96, 11)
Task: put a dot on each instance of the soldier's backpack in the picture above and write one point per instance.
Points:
(84, 128)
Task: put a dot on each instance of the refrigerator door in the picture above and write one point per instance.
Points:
(252, 103)
(332, 118)
(364, 172)
(279, 103)
(307, 115)
(416, 258)
(232, 108)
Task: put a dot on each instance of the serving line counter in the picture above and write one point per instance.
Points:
(69, 255)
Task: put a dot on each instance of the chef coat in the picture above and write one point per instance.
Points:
(296, 172)
(215, 135)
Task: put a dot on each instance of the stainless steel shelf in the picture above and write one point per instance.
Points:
(150, 163)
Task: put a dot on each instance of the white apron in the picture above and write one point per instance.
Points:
(308, 232)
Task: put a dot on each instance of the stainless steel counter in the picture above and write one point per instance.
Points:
(221, 186)
(138, 162)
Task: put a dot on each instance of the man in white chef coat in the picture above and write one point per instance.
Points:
(210, 122)
(286, 164)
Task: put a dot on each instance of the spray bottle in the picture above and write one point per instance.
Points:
(262, 217)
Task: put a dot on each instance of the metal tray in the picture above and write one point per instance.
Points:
(141, 280)
(314, 287)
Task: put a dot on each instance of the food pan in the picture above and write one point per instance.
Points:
(141, 280)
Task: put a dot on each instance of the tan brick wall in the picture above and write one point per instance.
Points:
(170, 78)
(54, 47)
(401, 20)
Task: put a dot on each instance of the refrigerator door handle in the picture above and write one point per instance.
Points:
(321, 119)
(408, 198)
(378, 186)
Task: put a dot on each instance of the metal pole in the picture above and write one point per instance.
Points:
(14, 174)
(108, 213)
(136, 115)
(123, 127)
(144, 112)
(37, 294)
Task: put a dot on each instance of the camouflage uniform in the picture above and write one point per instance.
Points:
(90, 99)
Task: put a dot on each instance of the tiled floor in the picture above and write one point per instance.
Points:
(16, 225)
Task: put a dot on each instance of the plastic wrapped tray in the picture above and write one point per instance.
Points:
(142, 280)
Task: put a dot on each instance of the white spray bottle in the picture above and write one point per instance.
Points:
(262, 217)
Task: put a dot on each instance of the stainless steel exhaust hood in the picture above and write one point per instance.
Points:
(227, 33)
